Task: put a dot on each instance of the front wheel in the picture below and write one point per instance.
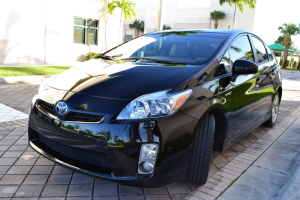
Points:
(197, 172)
(274, 113)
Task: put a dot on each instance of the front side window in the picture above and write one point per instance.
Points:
(261, 53)
(187, 47)
(225, 65)
(85, 31)
(241, 49)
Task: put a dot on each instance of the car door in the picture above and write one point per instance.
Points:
(245, 96)
(264, 85)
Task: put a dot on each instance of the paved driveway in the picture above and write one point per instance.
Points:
(25, 174)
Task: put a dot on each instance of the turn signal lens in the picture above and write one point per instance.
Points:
(148, 152)
(147, 158)
(180, 101)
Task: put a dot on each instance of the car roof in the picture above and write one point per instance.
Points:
(232, 32)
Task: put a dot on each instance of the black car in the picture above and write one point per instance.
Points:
(150, 111)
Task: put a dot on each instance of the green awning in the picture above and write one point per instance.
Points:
(278, 47)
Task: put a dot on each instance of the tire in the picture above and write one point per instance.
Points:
(198, 168)
(274, 112)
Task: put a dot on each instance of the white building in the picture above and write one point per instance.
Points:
(189, 14)
(63, 31)
(54, 31)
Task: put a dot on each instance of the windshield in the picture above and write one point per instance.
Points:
(187, 47)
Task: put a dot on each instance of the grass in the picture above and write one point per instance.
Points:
(31, 71)
(292, 69)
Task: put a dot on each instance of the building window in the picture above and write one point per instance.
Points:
(85, 31)
(127, 37)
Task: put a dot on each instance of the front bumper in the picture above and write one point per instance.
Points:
(110, 150)
(69, 163)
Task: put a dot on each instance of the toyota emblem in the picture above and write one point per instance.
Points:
(61, 108)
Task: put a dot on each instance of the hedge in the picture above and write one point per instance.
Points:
(295, 64)
(91, 55)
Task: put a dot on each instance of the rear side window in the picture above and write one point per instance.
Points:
(241, 49)
(261, 53)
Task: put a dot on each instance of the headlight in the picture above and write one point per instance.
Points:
(154, 105)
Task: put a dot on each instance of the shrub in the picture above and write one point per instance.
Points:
(287, 63)
(91, 55)
(295, 64)
(277, 54)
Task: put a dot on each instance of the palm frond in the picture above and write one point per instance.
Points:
(216, 15)
(239, 3)
(230, 2)
(127, 8)
(166, 27)
(138, 25)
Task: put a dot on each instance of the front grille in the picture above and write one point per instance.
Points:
(46, 106)
(83, 117)
(85, 156)
(71, 116)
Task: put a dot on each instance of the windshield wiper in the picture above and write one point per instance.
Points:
(153, 59)
(109, 57)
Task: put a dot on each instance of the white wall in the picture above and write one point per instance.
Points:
(179, 14)
(191, 14)
(22, 33)
(41, 31)
(244, 20)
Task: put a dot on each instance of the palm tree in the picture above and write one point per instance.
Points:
(127, 9)
(288, 30)
(138, 25)
(166, 27)
(280, 40)
(240, 5)
(216, 16)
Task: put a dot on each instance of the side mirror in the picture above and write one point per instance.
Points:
(244, 67)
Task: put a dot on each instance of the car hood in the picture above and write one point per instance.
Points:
(120, 80)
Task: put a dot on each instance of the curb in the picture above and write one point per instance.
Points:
(291, 71)
(23, 79)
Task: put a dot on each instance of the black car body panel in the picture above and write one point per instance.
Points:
(113, 80)
(92, 140)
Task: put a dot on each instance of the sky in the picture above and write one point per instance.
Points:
(273, 13)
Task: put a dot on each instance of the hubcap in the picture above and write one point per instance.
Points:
(275, 109)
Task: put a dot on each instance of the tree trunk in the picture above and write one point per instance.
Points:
(286, 51)
(234, 17)
(298, 63)
(285, 57)
(120, 28)
(105, 29)
(216, 24)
